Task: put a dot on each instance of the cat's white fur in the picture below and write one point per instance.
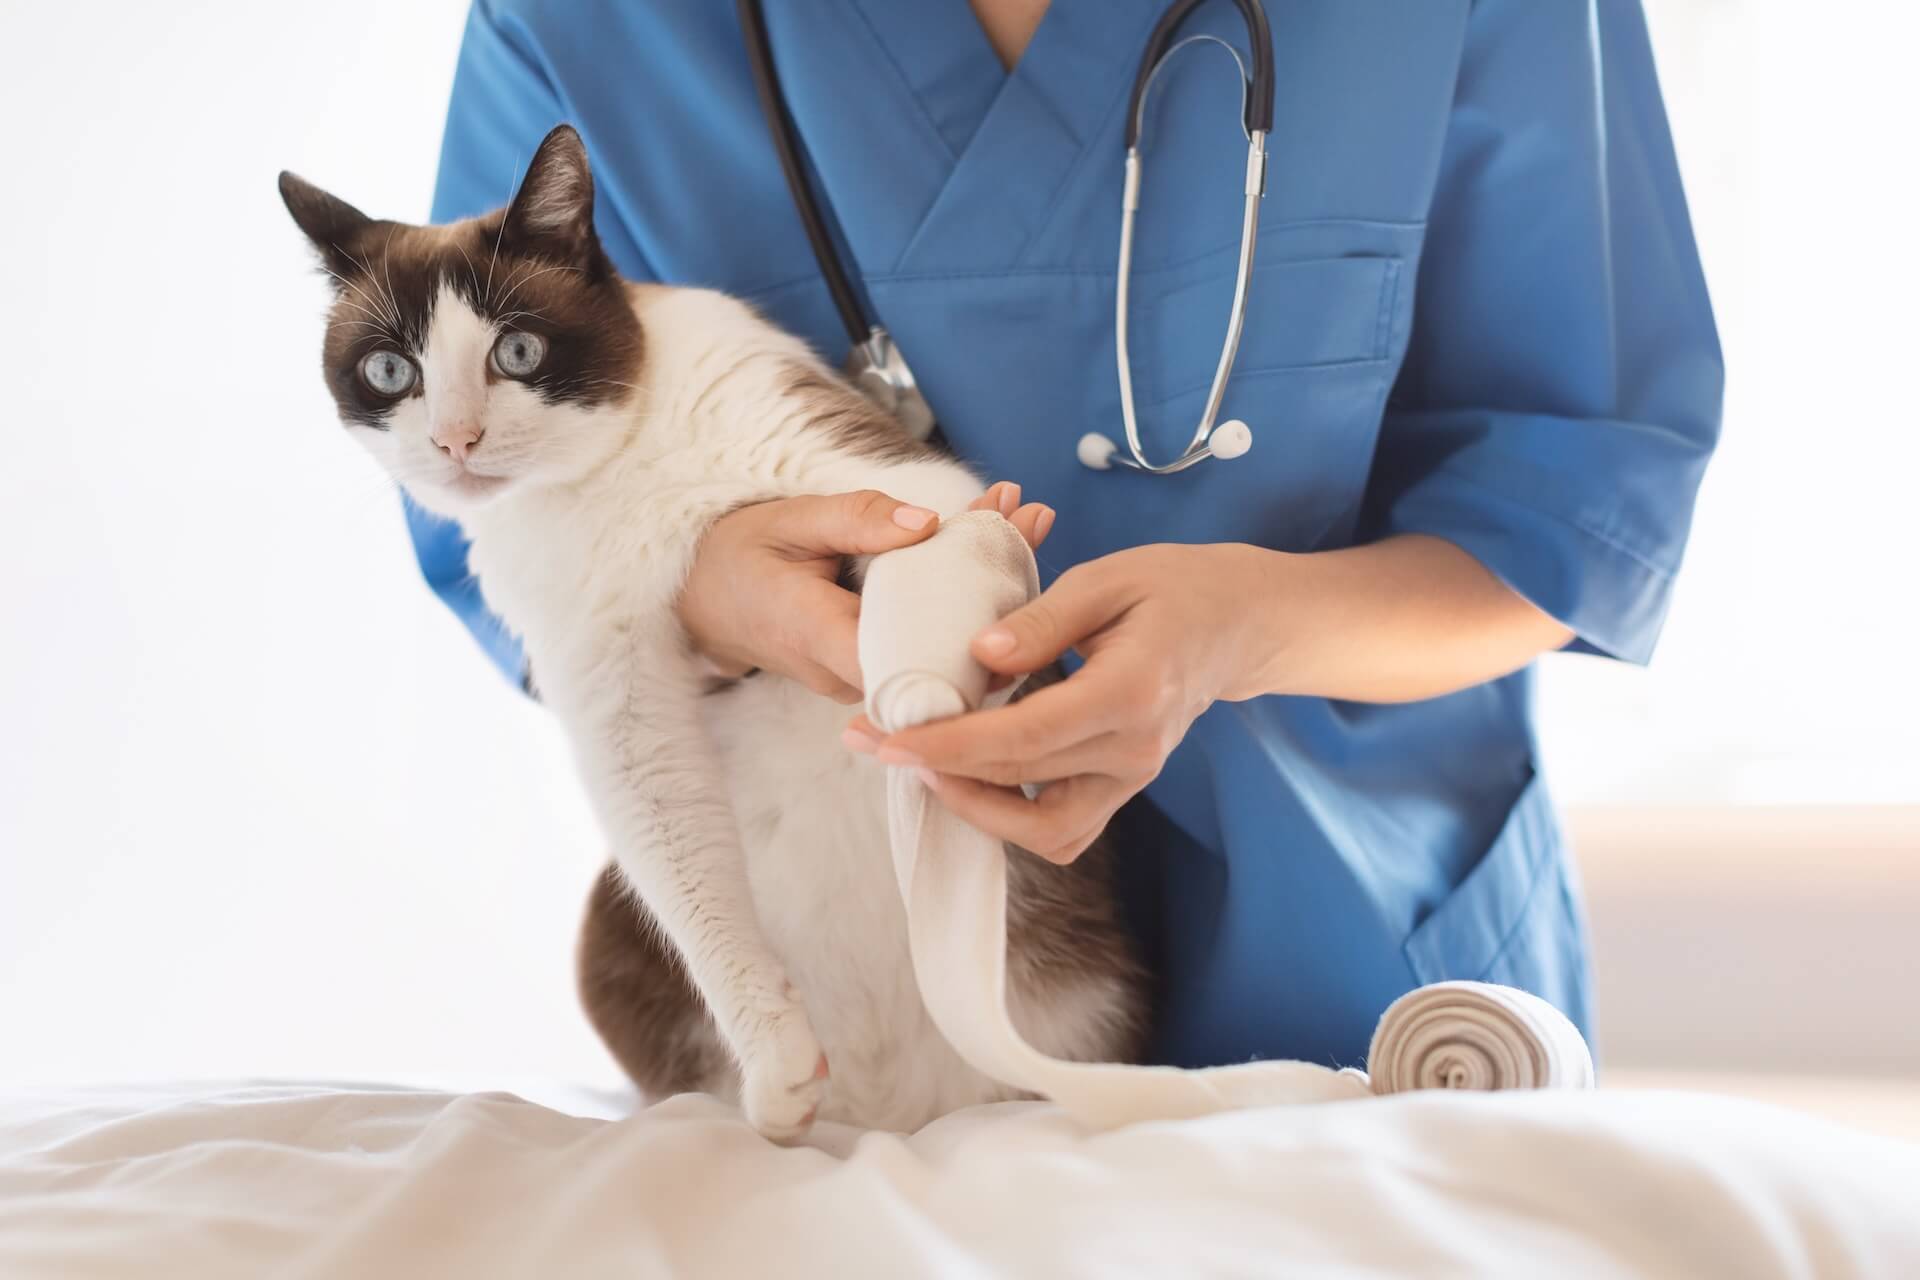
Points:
(756, 839)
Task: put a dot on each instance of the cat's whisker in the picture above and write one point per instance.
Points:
(533, 275)
(505, 213)
(385, 300)
(613, 382)
(372, 298)
(386, 268)
(379, 330)
(473, 277)
(386, 318)
(511, 316)
(371, 315)
(374, 332)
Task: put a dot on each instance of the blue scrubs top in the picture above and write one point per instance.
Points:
(1478, 314)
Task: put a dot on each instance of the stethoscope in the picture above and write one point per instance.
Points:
(875, 364)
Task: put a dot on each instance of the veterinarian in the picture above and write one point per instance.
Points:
(1478, 367)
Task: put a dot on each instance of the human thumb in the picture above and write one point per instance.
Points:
(1045, 627)
(861, 523)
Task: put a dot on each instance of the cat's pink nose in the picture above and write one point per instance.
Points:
(456, 439)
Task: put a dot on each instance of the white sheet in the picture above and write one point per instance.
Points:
(309, 1181)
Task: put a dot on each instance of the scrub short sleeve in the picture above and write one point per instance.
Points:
(1562, 386)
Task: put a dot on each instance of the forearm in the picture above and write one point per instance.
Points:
(1406, 618)
(1166, 629)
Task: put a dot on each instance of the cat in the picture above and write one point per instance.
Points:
(747, 938)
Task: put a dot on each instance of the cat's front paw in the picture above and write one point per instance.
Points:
(784, 1080)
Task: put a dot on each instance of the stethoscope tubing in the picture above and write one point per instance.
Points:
(1256, 111)
(787, 144)
(883, 371)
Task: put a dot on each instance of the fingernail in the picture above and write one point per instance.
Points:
(994, 641)
(912, 517)
(1044, 525)
(858, 741)
(929, 778)
(1009, 499)
(894, 755)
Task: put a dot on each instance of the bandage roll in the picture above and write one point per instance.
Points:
(1474, 1035)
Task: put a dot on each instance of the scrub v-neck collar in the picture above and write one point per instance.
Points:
(935, 157)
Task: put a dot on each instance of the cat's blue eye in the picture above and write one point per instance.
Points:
(389, 373)
(518, 354)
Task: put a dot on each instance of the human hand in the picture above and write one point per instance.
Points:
(764, 589)
(1165, 631)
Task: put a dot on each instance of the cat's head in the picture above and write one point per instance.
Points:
(474, 357)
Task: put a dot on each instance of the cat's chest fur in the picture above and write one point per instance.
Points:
(578, 573)
(813, 827)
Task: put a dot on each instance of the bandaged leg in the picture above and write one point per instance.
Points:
(922, 605)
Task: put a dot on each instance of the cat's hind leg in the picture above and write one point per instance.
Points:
(640, 1001)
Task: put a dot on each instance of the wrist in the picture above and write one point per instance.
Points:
(1263, 609)
(708, 656)
(699, 609)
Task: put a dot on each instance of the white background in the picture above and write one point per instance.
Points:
(265, 809)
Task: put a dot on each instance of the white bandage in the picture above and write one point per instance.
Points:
(922, 605)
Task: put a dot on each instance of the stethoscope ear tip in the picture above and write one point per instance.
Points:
(1230, 439)
(1095, 451)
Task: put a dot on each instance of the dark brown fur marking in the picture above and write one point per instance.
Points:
(640, 1000)
(855, 423)
(534, 266)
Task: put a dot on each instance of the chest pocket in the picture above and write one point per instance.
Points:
(1316, 358)
(1317, 314)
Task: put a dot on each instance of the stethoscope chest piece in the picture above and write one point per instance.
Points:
(878, 369)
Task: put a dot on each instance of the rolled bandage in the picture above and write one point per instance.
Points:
(921, 607)
(1475, 1035)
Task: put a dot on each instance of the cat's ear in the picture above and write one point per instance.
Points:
(552, 213)
(330, 222)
